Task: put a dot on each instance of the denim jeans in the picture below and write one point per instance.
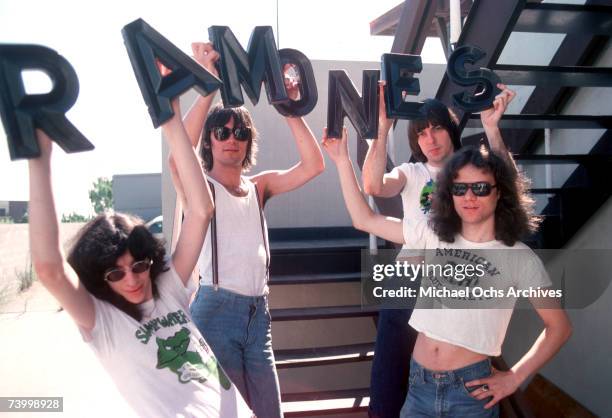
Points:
(389, 379)
(238, 330)
(444, 394)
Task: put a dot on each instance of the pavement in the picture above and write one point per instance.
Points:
(42, 354)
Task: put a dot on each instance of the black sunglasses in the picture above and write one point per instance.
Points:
(137, 267)
(480, 188)
(222, 133)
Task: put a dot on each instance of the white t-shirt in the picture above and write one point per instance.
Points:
(417, 195)
(481, 330)
(418, 191)
(241, 251)
(162, 365)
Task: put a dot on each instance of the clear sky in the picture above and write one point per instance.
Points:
(110, 110)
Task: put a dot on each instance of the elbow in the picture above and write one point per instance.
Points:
(361, 222)
(372, 189)
(359, 225)
(317, 167)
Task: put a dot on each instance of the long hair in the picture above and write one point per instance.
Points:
(219, 116)
(101, 242)
(514, 217)
(433, 112)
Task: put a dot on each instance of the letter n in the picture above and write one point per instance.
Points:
(344, 100)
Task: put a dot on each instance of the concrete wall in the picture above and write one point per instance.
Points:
(138, 194)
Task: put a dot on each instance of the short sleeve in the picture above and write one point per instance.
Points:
(169, 283)
(100, 336)
(533, 273)
(416, 233)
(408, 170)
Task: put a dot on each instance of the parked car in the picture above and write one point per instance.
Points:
(155, 225)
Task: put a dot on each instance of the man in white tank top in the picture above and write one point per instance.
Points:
(433, 139)
(231, 305)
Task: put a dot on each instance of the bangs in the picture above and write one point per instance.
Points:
(222, 116)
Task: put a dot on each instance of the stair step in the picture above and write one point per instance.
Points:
(552, 121)
(565, 18)
(585, 159)
(320, 356)
(537, 75)
(315, 278)
(325, 407)
(318, 245)
(324, 312)
(326, 394)
(340, 405)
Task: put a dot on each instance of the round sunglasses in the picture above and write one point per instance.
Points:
(116, 274)
(480, 188)
(222, 133)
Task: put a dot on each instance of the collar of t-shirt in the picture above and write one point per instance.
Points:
(433, 171)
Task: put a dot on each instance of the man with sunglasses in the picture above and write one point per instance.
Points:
(231, 305)
(433, 139)
(480, 211)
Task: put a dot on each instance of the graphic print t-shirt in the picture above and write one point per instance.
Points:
(417, 195)
(477, 322)
(162, 365)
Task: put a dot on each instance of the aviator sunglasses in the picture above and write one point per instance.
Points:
(222, 133)
(481, 188)
(137, 267)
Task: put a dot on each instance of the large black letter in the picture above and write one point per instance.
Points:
(484, 77)
(308, 86)
(236, 67)
(22, 113)
(144, 44)
(397, 71)
(343, 100)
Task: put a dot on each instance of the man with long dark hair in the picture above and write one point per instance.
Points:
(480, 205)
(433, 138)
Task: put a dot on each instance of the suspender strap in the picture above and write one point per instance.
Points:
(213, 240)
(263, 234)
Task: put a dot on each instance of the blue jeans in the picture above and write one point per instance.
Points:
(443, 394)
(389, 379)
(237, 328)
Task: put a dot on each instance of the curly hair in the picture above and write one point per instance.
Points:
(514, 217)
(433, 112)
(101, 242)
(219, 116)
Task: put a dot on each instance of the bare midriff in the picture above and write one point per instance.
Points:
(441, 356)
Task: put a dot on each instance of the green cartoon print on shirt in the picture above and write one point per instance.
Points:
(427, 193)
(172, 353)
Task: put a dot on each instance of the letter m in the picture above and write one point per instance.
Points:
(238, 68)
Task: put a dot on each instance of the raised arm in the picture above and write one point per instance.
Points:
(375, 181)
(47, 258)
(194, 194)
(206, 56)
(557, 330)
(362, 216)
(311, 162)
(490, 122)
